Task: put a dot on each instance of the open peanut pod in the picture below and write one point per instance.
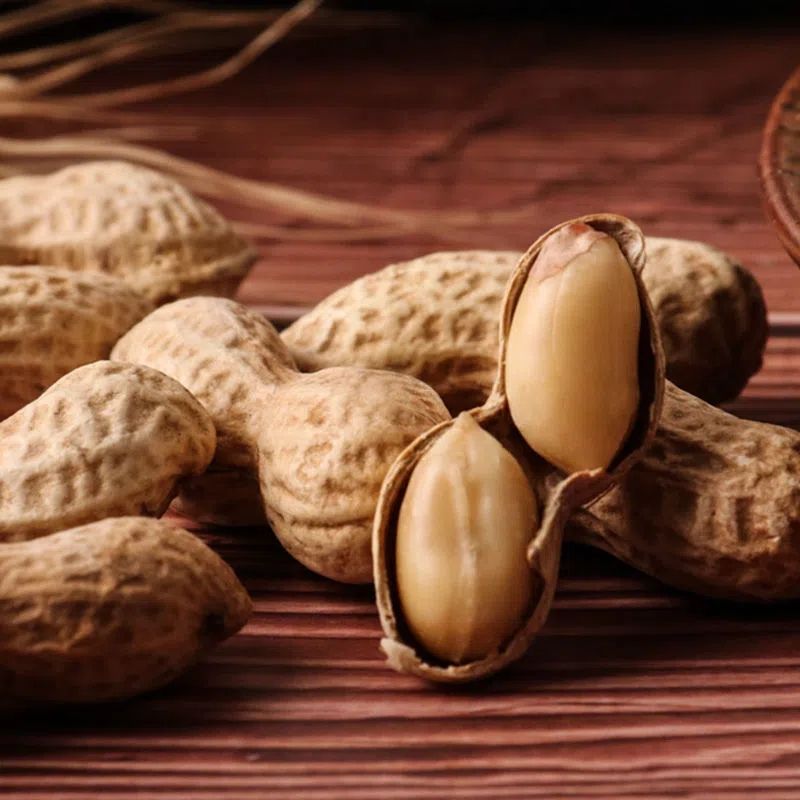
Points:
(468, 529)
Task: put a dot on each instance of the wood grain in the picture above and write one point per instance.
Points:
(633, 690)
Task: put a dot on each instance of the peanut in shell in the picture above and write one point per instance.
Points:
(109, 610)
(558, 495)
(125, 221)
(712, 506)
(53, 320)
(318, 444)
(107, 439)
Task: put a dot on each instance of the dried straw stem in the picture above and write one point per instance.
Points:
(261, 194)
(353, 221)
(273, 33)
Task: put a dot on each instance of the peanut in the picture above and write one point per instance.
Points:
(126, 221)
(105, 440)
(436, 318)
(469, 508)
(713, 506)
(52, 321)
(110, 610)
(424, 539)
(320, 444)
(571, 359)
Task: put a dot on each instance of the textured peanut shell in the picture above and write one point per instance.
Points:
(435, 318)
(713, 505)
(126, 221)
(558, 495)
(228, 356)
(320, 444)
(711, 314)
(110, 610)
(52, 321)
(328, 440)
(105, 440)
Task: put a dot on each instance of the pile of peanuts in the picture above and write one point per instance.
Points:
(437, 427)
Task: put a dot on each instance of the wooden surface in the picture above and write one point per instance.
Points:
(633, 690)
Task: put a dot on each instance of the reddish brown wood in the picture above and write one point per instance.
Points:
(633, 690)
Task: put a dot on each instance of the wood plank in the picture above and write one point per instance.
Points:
(633, 690)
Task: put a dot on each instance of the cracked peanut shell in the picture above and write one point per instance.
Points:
(52, 321)
(123, 220)
(110, 610)
(558, 495)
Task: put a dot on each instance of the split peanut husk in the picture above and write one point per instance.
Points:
(463, 651)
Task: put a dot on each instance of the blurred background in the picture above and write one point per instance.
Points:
(344, 136)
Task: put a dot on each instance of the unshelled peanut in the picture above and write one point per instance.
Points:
(109, 610)
(107, 439)
(126, 221)
(319, 444)
(52, 321)
(436, 318)
(713, 506)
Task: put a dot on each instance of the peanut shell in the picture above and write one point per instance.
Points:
(711, 314)
(110, 610)
(320, 444)
(558, 495)
(52, 321)
(434, 318)
(126, 221)
(712, 506)
(105, 440)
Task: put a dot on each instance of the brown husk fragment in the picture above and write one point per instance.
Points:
(558, 495)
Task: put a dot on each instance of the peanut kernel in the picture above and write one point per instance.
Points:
(465, 522)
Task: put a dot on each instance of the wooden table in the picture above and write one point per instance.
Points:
(633, 690)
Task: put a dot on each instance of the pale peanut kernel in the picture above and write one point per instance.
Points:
(465, 522)
(572, 356)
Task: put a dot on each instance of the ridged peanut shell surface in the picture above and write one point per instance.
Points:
(110, 610)
(319, 444)
(713, 505)
(123, 220)
(106, 440)
(711, 314)
(435, 318)
(52, 321)
(558, 495)
(329, 439)
(227, 355)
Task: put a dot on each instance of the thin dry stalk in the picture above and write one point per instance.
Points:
(206, 78)
(44, 13)
(256, 230)
(262, 194)
(146, 34)
(357, 221)
(55, 111)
